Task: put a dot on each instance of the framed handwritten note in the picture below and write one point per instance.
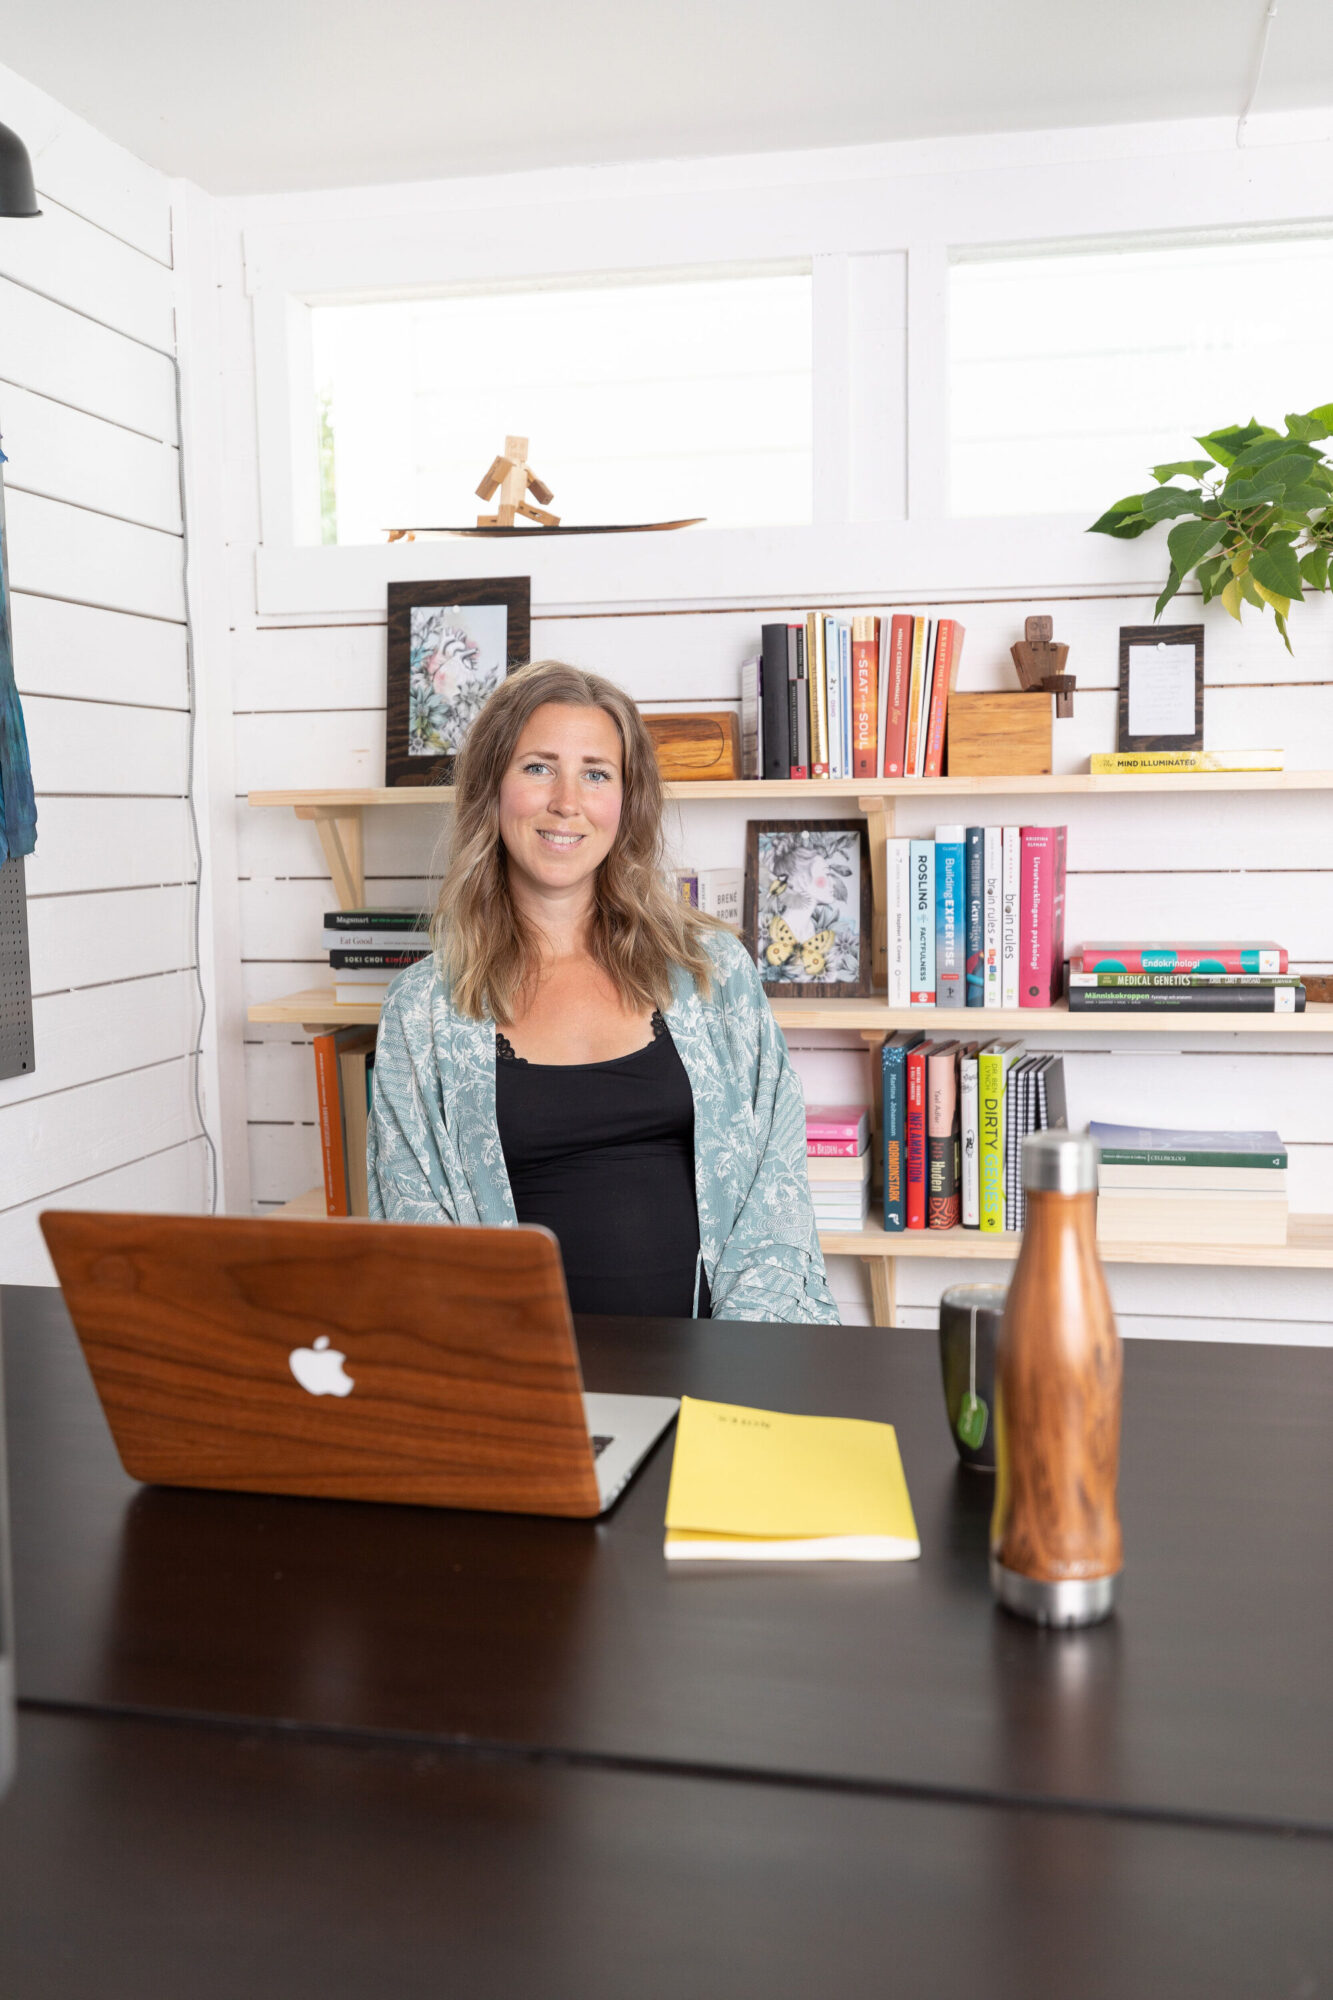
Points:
(1161, 688)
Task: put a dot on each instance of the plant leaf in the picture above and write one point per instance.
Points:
(1224, 445)
(1306, 427)
(1275, 566)
(1125, 520)
(1212, 574)
(1249, 590)
(1281, 605)
(1281, 624)
(1190, 541)
(1231, 598)
(1173, 583)
(1166, 501)
(1314, 568)
(1194, 468)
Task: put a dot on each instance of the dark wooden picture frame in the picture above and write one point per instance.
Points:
(775, 893)
(465, 689)
(1159, 635)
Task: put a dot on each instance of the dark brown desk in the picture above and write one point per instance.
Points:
(1208, 1698)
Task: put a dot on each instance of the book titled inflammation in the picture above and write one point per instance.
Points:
(916, 1135)
(1175, 957)
(1041, 926)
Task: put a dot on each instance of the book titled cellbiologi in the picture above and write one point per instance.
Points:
(1141, 1145)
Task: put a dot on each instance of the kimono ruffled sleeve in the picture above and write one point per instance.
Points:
(770, 1266)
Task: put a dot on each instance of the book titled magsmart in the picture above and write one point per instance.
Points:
(762, 1486)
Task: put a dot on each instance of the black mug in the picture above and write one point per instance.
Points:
(970, 1318)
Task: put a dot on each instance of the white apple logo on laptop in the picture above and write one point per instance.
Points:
(320, 1369)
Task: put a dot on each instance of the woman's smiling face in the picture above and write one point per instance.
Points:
(561, 797)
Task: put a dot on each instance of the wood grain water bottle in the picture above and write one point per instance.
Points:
(1055, 1533)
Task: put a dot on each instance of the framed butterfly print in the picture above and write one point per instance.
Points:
(807, 905)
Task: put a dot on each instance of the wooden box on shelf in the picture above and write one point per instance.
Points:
(999, 735)
(700, 746)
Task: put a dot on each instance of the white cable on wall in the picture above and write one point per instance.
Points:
(1242, 121)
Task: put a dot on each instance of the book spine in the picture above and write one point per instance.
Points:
(1039, 969)
(856, 1130)
(845, 666)
(918, 765)
(332, 1150)
(773, 672)
(974, 969)
(1139, 981)
(922, 967)
(865, 695)
(948, 647)
(990, 1141)
(900, 679)
(816, 695)
(992, 913)
(971, 1190)
(833, 699)
(1131, 1156)
(1256, 958)
(882, 676)
(1103, 761)
(916, 1137)
(366, 921)
(898, 921)
(796, 705)
(1011, 1118)
(1010, 914)
(364, 961)
(834, 1149)
(920, 627)
(950, 915)
(750, 717)
(893, 1063)
(943, 1203)
(1197, 999)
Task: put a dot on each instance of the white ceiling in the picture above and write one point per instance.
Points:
(253, 96)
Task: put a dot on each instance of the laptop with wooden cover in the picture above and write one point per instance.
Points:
(348, 1360)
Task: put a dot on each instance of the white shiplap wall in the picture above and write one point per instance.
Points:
(88, 410)
(308, 688)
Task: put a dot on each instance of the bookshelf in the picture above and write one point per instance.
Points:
(338, 816)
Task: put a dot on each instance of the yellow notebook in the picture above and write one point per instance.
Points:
(755, 1485)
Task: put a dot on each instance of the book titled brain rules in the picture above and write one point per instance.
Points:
(1041, 922)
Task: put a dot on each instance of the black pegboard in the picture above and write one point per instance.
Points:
(16, 1050)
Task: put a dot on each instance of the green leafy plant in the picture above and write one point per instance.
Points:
(1253, 520)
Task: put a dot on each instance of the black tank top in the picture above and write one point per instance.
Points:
(603, 1155)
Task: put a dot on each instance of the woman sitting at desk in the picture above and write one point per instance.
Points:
(584, 1051)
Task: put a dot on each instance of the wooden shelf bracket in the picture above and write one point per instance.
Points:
(342, 839)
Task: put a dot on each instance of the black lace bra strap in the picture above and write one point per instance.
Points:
(504, 1050)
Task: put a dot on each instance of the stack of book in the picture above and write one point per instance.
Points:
(865, 697)
(718, 892)
(955, 1118)
(344, 1073)
(976, 917)
(1190, 1187)
(837, 1148)
(1183, 978)
(368, 948)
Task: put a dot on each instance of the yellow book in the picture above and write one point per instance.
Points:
(817, 693)
(759, 1486)
(911, 750)
(1104, 762)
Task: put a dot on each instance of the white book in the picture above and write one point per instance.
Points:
(751, 766)
(721, 894)
(882, 690)
(833, 687)
(1013, 844)
(898, 921)
(992, 862)
(970, 1137)
(842, 1171)
(845, 655)
(927, 681)
(376, 940)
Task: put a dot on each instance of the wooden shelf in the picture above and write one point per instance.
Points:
(317, 1006)
(1309, 1244)
(999, 786)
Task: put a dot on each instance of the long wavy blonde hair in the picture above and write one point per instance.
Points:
(639, 932)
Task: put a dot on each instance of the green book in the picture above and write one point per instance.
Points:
(993, 1066)
(1140, 1146)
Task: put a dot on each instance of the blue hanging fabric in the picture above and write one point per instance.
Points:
(18, 807)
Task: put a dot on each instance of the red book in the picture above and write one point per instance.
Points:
(1234, 958)
(948, 649)
(916, 1135)
(900, 673)
(331, 1124)
(865, 702)
(1041, 915)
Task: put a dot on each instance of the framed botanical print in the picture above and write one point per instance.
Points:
(807, 906)
(1160, 705)
(451, 643)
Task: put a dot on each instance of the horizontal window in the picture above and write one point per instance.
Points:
(1073, 372)
(657, 398)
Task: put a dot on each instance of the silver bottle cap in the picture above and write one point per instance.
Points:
(1060, 1163)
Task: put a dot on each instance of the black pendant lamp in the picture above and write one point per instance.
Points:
(17, 193)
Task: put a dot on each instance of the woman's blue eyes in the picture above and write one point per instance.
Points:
(543, 770)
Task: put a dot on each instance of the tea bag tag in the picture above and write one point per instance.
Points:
(973, 1415)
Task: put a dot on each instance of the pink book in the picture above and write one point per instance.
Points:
(833, 1149)
(844, 1123)
(1178, 958)
(1041, 915)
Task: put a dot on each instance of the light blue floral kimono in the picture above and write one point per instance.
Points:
(434, 1151)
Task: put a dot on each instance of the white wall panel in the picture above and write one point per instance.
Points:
(67, 552)
(322, 747)
(54, 352)
(116, 934)
(171, 1182)
(100, 1031)
(75, 164)
(64, 454)
(284, 1160)
(85, 267)
(52, 1142)
(96, 746)
(74, 649)
(109, 843)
